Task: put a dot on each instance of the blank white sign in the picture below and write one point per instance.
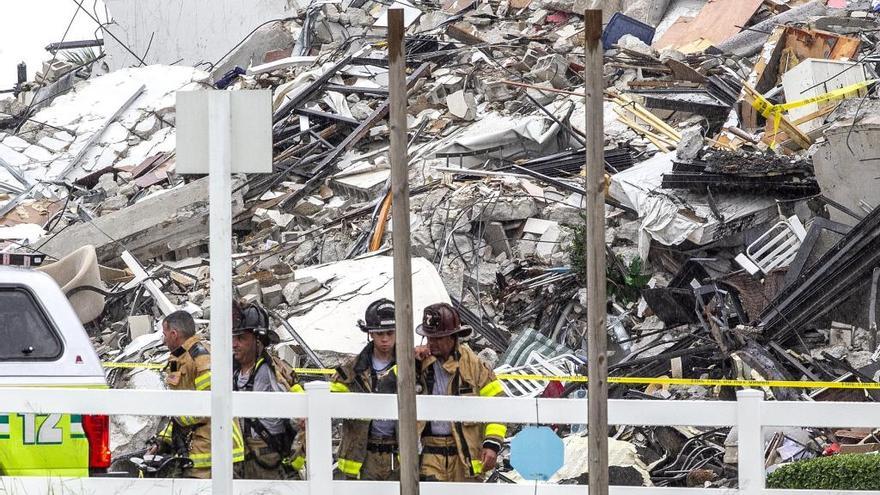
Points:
(251, 122)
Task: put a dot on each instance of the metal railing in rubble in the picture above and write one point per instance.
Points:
(749, 413)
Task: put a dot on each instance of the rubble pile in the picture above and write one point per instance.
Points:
(742, 219)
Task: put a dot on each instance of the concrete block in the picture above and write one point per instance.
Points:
(250, 288)
(547, 244)
(509, 209)
(494, 90)
(551, 68)
(140, 325)
(16, 143)
(309, 286)
(273, 295)
(11, 156)
(849, 177)
(496, 237)
(537, 226)
(54, 145)
(462, 105)
(292, 293)
(250, 299)
(482, 278)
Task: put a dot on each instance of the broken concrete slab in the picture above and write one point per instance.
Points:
(496, 237)
(847, 170)
(12, 157)
(250, 288)
(273, 295)
(328, 321)
(462, 105)
(508, 209)
(139, 325)
(153, 226)
(292, 293)
(16, 143)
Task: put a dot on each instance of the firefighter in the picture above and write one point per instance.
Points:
(455, 451)
(368, 449)
(268, 441)
(189, 368)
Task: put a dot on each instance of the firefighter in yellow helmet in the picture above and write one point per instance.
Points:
(189, 368)
(368, 449)
(455, 451)
(268, 441)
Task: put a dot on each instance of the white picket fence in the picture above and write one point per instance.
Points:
(750, 413)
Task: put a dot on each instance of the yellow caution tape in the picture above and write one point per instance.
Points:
(314, 371)
(770, 111)
(152, 366)
(701, 382)
(628, 380)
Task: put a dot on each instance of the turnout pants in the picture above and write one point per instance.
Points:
(381, 463)
(440, 461)
(260, 462)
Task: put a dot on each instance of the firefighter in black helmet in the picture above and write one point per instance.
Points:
(368, 449)
(268, 441)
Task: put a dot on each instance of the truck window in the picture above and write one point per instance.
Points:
(25, 331)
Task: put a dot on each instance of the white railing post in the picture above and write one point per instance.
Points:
(319, 439)
(220, 199)
(750, 441)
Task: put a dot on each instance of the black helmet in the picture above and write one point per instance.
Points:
(252, 317)
(379, 316)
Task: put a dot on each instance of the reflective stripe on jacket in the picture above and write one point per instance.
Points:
(189, 368)
(356, 376)
(470, 377)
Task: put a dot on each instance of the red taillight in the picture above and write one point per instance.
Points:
(97, 430)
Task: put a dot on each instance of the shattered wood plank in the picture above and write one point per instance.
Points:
(152, 227)
(684, 72)
(716, 22)
(461, 32)
(785, 125)
(150, 163)
(325, 168)
(155, 176)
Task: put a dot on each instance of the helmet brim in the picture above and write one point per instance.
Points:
(367, 329)
(460, 332)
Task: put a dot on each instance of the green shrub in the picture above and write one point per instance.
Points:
(839, 472)
(624, 282)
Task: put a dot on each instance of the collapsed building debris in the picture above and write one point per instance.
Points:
(742, 217)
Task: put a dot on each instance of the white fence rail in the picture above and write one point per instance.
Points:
(749, 413)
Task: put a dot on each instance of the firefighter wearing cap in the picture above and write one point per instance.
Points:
(368, 448)
(189, 368)
(268, 441)
(455, 451)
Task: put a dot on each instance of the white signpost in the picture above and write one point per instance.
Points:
(220, 133)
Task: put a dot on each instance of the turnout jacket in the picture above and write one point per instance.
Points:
(470, 378)
(189, 368)
(357, 376)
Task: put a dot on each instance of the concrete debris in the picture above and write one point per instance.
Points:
(462, 105)
(710, 150)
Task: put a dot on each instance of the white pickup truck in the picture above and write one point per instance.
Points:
(43, 344)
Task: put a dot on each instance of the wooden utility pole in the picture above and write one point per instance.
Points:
(403, 310)
(595, 242)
